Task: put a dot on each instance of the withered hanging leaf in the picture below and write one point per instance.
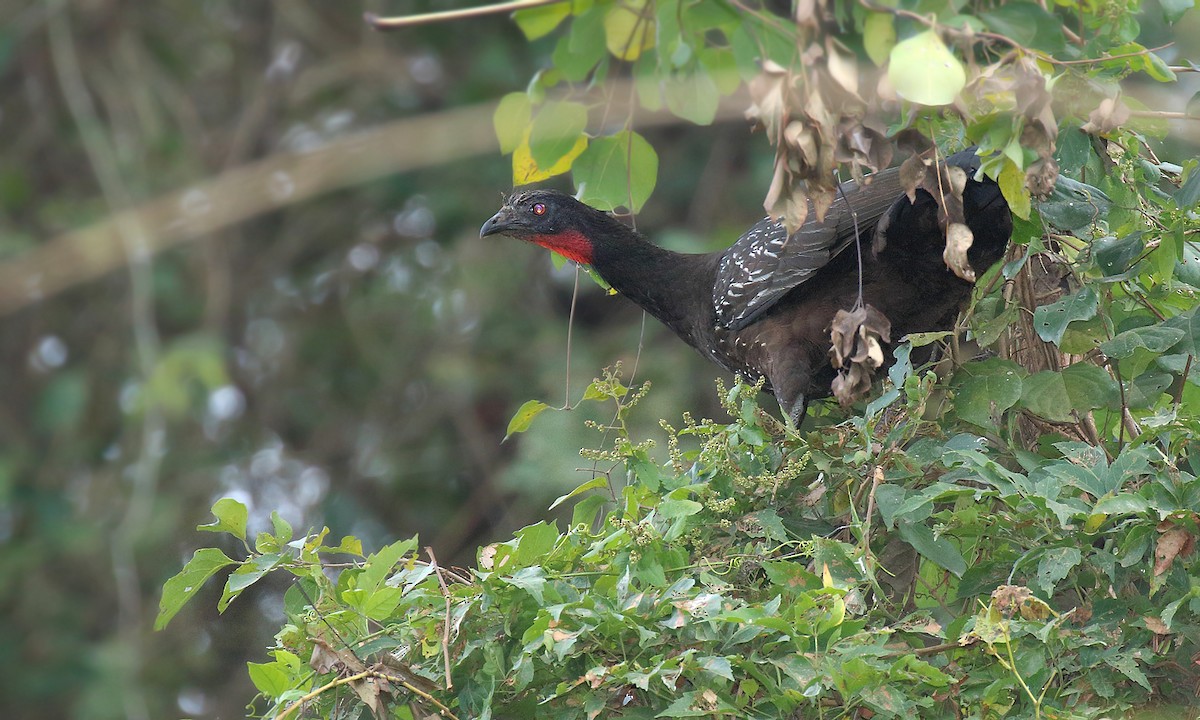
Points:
(912, 175)
(1041, 177)
(856, 350)
(958, 241)
(1111, 114)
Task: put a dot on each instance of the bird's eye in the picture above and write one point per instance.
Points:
(539, 209)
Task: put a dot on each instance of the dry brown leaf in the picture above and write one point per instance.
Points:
(1111, 114)
(856, 350)
(1173, 543)
(1156, 625)
(958, 241)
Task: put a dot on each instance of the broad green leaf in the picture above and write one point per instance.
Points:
(582, 48)
(879, 36)
(597, 483)
(938, 550)
(1079, 388)
(530, 579)
(1155, 338)
(1054, 565)
(249, 573)
(270, 679)
(1187, 268)
(538, 22)
(378, 567)
(556, 131)
(1122, 504)
(1189, 323)
(1188, 194)
(923, 70)
(1114, 256)
(1012, 186)
(179, 589)
(380, 604)
(511, 120)
(671, 509)
(1051, 320)
(984, 390)
(526, 171)
(524, 417)
(536, 541)
(616, 171)
(1145, 390)
(1174, 9)
(629, 29)
(231, 518)
(1029, 24)
(692, 95)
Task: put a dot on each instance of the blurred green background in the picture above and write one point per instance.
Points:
(239, 257)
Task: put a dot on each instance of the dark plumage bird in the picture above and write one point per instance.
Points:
(763, 307)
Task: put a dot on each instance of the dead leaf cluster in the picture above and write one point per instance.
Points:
(857, 350)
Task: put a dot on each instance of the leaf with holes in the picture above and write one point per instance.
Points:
(1155, 338)
(984, 390)
(1051, 320)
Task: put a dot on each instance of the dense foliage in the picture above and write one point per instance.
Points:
(1012, 537)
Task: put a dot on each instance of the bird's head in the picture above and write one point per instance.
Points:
(548, 218)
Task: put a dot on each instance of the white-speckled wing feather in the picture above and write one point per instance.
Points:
(765, 264)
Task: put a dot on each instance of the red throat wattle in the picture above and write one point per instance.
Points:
(571, 244)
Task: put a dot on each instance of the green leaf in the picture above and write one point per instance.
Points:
(1145, 390)
(530, 579)
(1189, 323)
(1012, 186)
(617, 170)
(536, 542)
(692, 95)
(1115, 256)
(556, 131)
(1174, 9)
(1187, 268)
(582, 48)
(1080, 387)
(597, 483)
(1054, 565)
(524, 417)
(249, 573)
(179, 589)
(1029, 24)
(538, 22)
(231, 518)
(939, 550)
(984, 390)
(879, 36)
(1188, 194)
(671, 509)
(628, 30)
(1051, 320)
(378, 567)
(511, 119)
(1155, 338)
(923, 70)
(270, 679)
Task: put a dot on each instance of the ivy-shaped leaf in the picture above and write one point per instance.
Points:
(179, 589)
(984, 390)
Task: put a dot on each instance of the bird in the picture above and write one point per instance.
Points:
(764, 307)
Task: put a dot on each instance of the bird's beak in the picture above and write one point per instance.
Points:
(497, 223)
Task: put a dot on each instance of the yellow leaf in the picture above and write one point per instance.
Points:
(526, 171)
(1012, 185)
(629, 29)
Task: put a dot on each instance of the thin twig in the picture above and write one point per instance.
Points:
(396, 23)
(437, 569)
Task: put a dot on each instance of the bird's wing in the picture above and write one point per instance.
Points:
(765, 263)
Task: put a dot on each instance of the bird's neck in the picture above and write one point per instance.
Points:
(675, 288)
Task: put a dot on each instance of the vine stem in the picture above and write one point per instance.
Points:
(349, 679)
(403, 21)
